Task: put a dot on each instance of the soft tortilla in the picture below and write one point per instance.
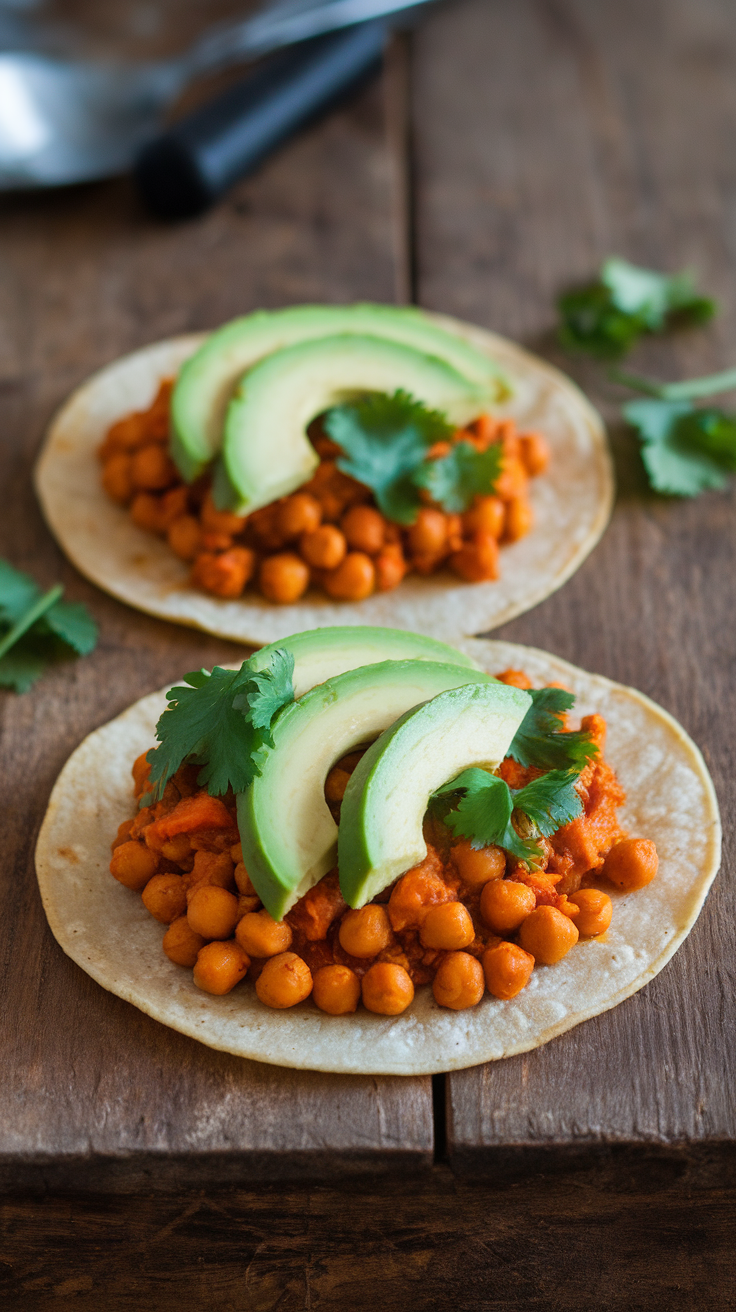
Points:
(572, 504)
(107, 931)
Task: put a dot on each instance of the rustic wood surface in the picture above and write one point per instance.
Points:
(507, 149)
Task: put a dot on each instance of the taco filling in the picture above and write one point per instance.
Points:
(520, 848)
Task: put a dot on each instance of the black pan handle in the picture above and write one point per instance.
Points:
(183, 171)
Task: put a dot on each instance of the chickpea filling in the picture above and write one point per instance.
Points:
(330, 533)
(464, 921)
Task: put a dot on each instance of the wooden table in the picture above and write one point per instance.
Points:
(505, 150)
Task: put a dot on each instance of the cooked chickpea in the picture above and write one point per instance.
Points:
(486, 515)
(390, 567)
(515, 679)
(145, 511)
(448, 926)
(300, 513)
(283, 578)
(366, 932)
(508, 969)
(428, 534)
(486, 429)
(165, 897)
(504, 904)
(519, 519)
(141, 770)
(387, 989)
(242, 879)
(477, 866)
(117, 478)
(177, 848)
(173, 505)
(534, 453)
(477, 560)
(219, 967)
(548, 935)
(284, 981)
(336, 990)
(225, 575)
(364, 529)
(181, 944)
(354, 580)
(262, 936)
(151, 468)
(220, 521)
(212, 911)
(133, 865)
(631, 864)
(513, 480)
(335, 784)
(184, 537)
(459, 982)
(324, 548)
(594, 911)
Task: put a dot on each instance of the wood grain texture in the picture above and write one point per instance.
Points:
(548, 134)
(93, 1093)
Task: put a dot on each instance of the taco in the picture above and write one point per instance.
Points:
(503, 873)
(240, 532)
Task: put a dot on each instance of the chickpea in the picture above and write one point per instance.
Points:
(504, 904)
(390, 567)
(486, 428)
(507, 969)
(236, 853)
(631, 864)
(515, 679)
(428, 534)
(354, 580)
(220, 521)
(117, 479)
(324, 548)
(336, 990)
(366, 932)
(225, 575)
(594, 911)
(177, 849)
(145, 511)
(219, 967)
(215, 542)
(141, 770)
(152, 469)
(459, 982)
(477, 866)
(243, 880)
(519, 519)
(513, 480)
(477, 560)
(262, 936)
(335, 784)
(184, 537)
(173, 505)
(212, 911)
(448, 926)
(283, 578)
(123, 834)
(486, 515)
(300, 513)
(548, 935)
(387, 989)
(133, 865)
(165, 897)
(284, 981)
(181, 944)
(534, 453)
(364, 529)
(126, 434)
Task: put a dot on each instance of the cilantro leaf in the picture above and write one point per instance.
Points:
(18, 592)
(539, 741)
(72, 622)
(36, 628)
(485, 814)
(385, 439)
(550, 801)
(607, 317)
(455, 479)
(681, 456)
(21, 667)
(222, 721)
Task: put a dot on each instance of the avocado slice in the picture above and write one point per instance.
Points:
(266, 452)
(320, 654)
(386, 800)
(206, 382)
(288, 835)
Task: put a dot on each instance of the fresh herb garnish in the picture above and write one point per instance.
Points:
(608, 317)
(486, 812)
(539, 740)
(36, 628)
(386, 439)
(222, 721)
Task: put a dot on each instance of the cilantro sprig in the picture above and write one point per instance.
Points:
(385, 441)
(486, 811)
(222, 721)
(607, 318)
(37, 627)
(539, 740)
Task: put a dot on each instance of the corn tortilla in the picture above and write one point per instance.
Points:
(572, 504)
(107, 931)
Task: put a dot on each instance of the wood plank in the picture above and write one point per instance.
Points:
(547, 136)
(94, 1093)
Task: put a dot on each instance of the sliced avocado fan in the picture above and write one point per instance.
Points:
(288, 835)
(387, 797)
(207, 380)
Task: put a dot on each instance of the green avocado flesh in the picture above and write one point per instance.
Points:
(386, 800)
(321, 654)
(288, 835)
(266, 452)
(206, 382)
